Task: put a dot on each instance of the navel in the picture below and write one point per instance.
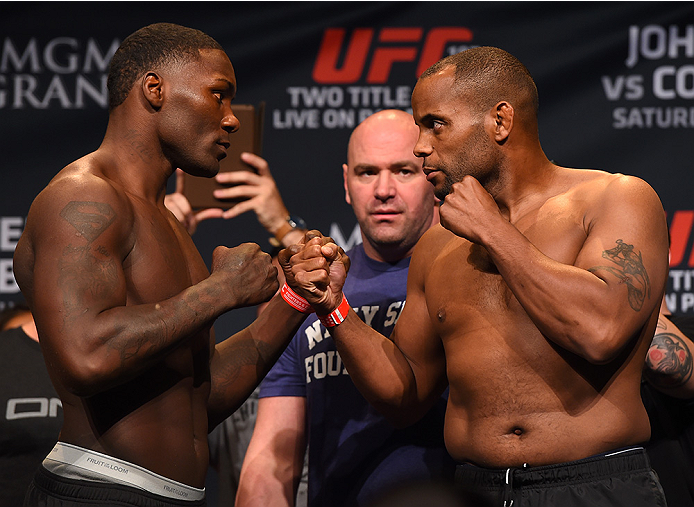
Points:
(517, 431)
(441, 315)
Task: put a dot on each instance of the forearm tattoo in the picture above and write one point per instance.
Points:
(244, 353)
(86, 271)
(630, 271)
(669, 361)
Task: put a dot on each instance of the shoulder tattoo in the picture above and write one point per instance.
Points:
(669, 361)
(88, 217)
(628, 267)
(86, 272)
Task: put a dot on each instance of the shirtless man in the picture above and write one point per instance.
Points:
(123, 302)
(535, 301)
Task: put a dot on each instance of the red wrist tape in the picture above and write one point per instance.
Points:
(337, 316)
(294, 300)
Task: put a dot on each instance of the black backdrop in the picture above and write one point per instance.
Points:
(616, 84)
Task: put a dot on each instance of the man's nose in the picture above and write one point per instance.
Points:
(423, 148)
(385, 186)
(230, 122)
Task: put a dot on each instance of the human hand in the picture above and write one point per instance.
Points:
(316, 269)
(469, 210)
(180, 207)
(246, 274)
(258, 192)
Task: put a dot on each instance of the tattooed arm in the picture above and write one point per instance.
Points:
(669, 360)
(241, 361)
(94, 280)
(589, 268)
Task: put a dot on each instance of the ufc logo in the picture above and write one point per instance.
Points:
(680, 231)
(325, 70)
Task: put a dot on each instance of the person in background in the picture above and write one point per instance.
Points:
(257, 191)
(229, 441)
(667, 391)
(31, 412)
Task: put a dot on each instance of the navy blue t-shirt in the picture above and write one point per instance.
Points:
(354, 453)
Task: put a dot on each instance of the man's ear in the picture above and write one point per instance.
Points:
(152, 90)
(503, 121)
(345, 170)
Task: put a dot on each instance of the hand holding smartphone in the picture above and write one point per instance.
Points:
(198, 190)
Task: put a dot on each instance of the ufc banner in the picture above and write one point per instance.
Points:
(616, 84)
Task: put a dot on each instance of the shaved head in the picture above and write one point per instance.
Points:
(386, 186)
(375, 126)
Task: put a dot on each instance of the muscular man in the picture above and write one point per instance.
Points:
(122, 300)
(355, 455)
(535, 301)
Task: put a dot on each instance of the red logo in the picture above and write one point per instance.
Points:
(680, 232)
(326, 69)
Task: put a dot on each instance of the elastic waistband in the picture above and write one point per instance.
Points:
(71, 461)
(594, 467)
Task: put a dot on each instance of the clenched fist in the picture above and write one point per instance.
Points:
(316, 270)
(246, 273)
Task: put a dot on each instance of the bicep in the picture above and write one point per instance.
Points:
(77, 270)
(626, 248)
(418, 340)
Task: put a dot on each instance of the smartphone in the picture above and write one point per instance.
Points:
(197, 189)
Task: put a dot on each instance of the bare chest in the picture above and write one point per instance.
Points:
(163, 261)
(464, 289)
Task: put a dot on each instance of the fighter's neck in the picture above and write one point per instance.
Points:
(518, 190)
(133, 159)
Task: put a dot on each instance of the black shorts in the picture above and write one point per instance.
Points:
(624, 479)
(50, 490)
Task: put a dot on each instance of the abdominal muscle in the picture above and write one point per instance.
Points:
(166, 435)
(512, 405)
